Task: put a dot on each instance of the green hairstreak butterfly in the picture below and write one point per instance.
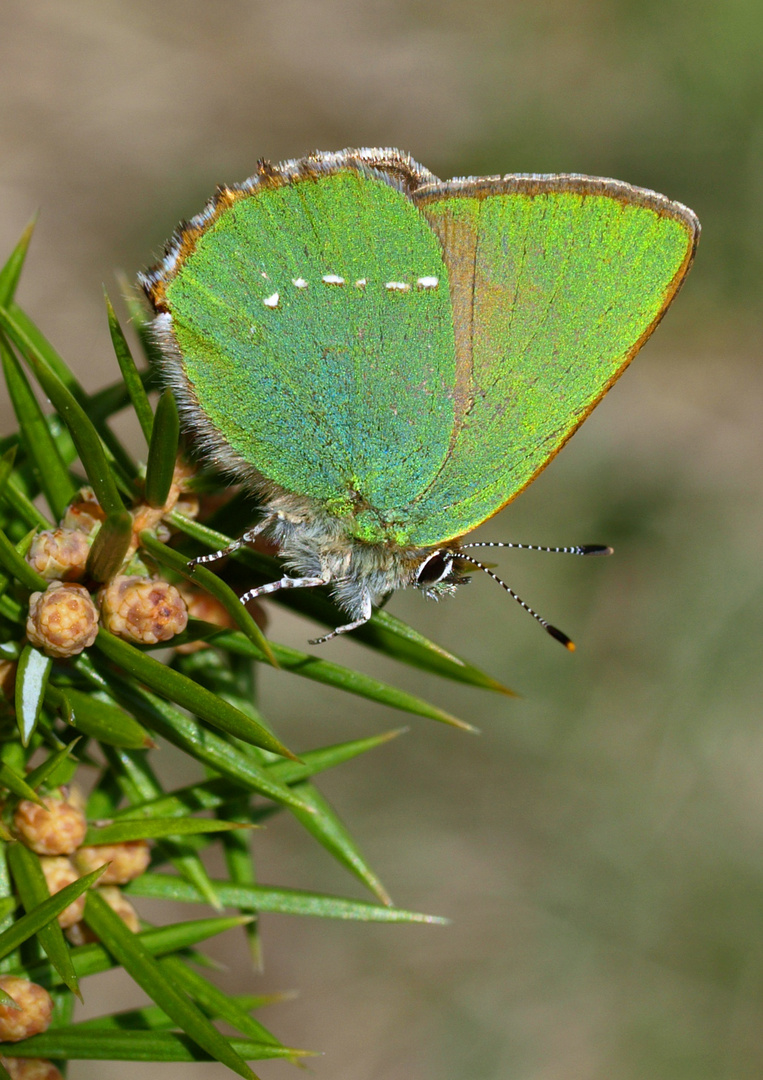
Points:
(388, 359)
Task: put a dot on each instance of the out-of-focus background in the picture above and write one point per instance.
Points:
(599, 847)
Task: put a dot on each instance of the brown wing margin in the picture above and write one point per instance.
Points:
(395, 167)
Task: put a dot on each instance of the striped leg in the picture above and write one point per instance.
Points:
(245, 539)
(367, 612)
(284, 583)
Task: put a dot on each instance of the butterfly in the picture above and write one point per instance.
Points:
(388, 359)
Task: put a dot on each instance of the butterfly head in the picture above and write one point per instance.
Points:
(439, 573)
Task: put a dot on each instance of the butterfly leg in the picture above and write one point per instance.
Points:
(284, 583)
(364, 617)
(245, 539)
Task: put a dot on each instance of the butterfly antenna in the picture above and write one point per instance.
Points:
(580, 549)
(552, 630)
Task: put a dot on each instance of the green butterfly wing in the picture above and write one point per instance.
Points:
(556, 282)
(307, 344)
(303, 345)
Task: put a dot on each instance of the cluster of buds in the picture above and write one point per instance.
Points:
(63, 620)
(55, 831)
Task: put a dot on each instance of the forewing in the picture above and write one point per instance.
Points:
(556, 282)
(302, 340)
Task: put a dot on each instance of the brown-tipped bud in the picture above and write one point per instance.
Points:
(128, 860)
(81, 934)
(31, 1069)
(146, 611)
(144, 517)
(35, 1008)
(59, 872)
(149, 517)
(59, 554)
(63, 620)
(57, 828)
(84, 513)
(201, 605)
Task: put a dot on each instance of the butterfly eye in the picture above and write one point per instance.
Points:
(434, 569)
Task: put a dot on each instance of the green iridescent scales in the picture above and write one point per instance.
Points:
(339, 391)
(314, 342)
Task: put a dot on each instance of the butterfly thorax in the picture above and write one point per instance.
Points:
(314, 543)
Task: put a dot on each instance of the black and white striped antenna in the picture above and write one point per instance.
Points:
(580, 549)
(583, 549)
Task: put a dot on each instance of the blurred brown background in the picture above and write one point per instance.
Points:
(600, 846)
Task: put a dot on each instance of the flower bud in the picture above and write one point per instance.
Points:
(81, 934)
(57, 828)
(84, 513)
(143, 610)
(201, 605)
(127, 861)
(59, 554)
(31, 1069)
(59, 872)
(119, 903)
(149, 517)
(63, 620)
(35, 1008)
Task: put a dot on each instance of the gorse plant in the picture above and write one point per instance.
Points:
(94, 578)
